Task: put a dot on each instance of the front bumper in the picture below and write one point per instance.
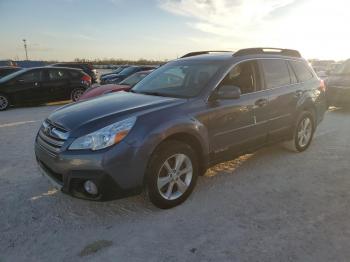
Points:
(113, 171)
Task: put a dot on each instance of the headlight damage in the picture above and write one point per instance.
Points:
(104, 137)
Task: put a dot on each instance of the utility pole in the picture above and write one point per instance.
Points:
(25, 48)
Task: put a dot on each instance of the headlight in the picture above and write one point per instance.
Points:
(104, 137)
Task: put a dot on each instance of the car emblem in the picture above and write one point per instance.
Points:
(47, 130)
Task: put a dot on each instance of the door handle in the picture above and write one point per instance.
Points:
(261, 102)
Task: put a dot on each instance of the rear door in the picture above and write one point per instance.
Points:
(284, 91)
(57, 83)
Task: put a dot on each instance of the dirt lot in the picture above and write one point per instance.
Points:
(269, 206)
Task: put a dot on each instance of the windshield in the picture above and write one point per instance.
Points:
(134, 79)
(177, 80)
(118, 70)
(13, 75)
(128, 71)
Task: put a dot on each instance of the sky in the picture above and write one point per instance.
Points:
(166, 29)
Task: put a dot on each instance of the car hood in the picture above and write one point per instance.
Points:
(100, 90)
(102, 111)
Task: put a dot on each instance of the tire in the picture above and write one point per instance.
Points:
(76, 93)
(165, 186)
(4, 102)
(303, 133)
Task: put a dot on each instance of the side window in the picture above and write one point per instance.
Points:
(74, 73)
(33, 76)
(244, 76)
(293, 78)
(302, 71)
(57, 74)
(276, 73)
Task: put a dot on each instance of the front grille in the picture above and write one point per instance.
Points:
(51, 137)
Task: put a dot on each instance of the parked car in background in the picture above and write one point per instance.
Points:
(42, 84)
(322, 74)
(86, 67)
(7, 70)
(117, 78)
(115, 71)
(164, 134)
(8, 63)
(338, 85)
(125, 85)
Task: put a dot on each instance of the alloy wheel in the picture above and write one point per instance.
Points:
(3, 102)
(175, 176)
(304, 132)
(76, 94)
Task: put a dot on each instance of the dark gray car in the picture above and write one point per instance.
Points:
(338, 86)
(181, 119)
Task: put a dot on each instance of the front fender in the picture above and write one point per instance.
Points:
(152, 132)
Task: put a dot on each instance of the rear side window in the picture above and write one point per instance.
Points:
(75, 73)
(302, 71)
(276, 73)
(58, 74)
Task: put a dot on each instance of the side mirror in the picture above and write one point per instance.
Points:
(227, 92)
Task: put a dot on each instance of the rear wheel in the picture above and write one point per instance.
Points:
(172, 174)
(4, 102)
(76, 94)
(303, 133)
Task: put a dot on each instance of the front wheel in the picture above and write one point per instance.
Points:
(76, 94)
(4, 102)
(171, 174)
(303, 133)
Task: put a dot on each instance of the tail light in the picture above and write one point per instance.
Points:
(322, 86)
(86, 80)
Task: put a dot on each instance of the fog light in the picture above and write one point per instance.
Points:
(90, 187)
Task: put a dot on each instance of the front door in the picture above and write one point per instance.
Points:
(28, 86)
(237, 125)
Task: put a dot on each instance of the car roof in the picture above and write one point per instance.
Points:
(248, 53)
(63, 67)
(71, 63)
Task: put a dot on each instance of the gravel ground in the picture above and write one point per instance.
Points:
(272, 205)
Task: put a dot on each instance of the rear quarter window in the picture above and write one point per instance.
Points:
(276, 73)
(302, 71)
(75, 73)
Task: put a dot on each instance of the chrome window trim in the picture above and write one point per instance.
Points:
(255, 59)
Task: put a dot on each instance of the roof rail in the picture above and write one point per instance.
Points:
(268, 50)
(204, 53)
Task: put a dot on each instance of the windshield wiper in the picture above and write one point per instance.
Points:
(152, 93)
